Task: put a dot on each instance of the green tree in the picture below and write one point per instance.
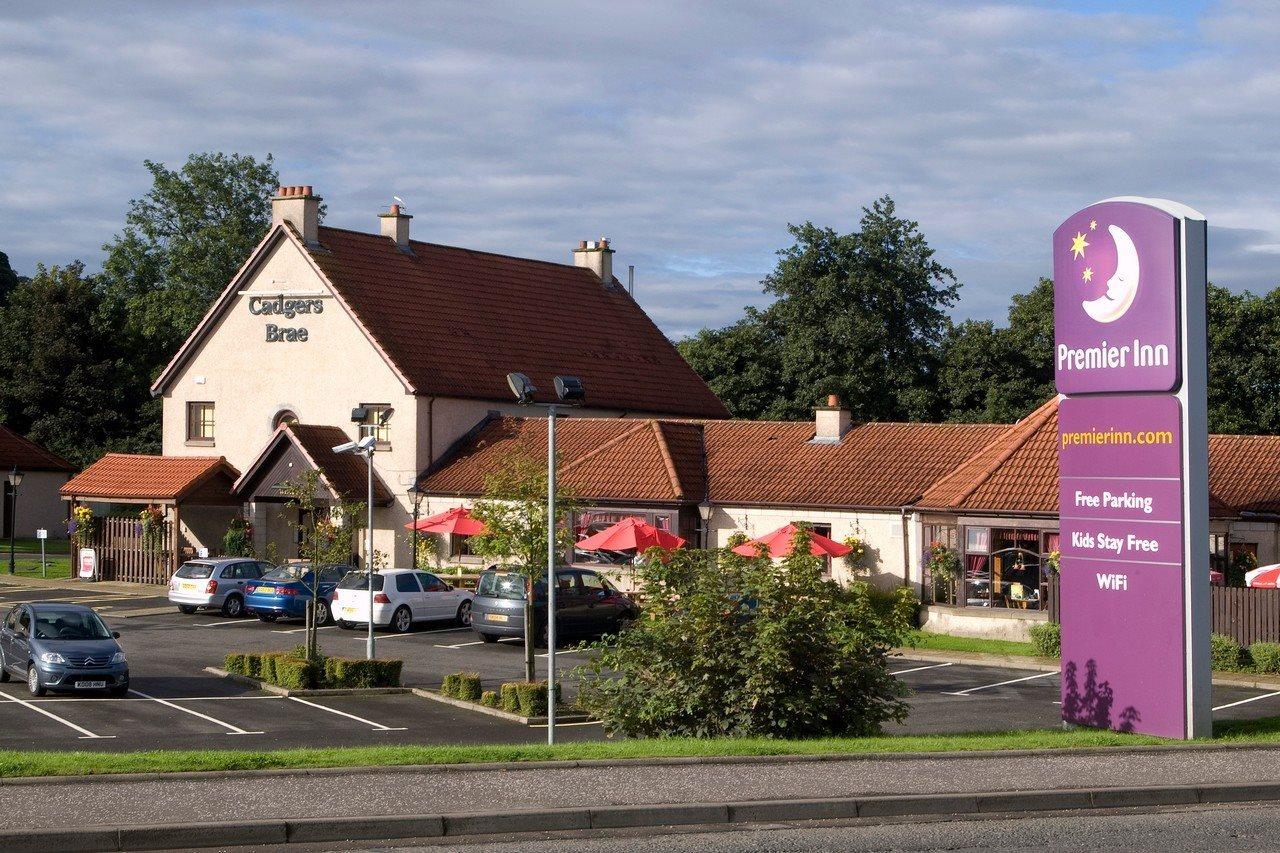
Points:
(8, 279)
(514, 512)
(1244, 362)
(860, 315)
(743, 647)
(59, 365)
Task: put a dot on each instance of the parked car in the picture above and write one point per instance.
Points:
(61, 647)
(400, 598)
(283, 592)
(587, 605)
(215, 584)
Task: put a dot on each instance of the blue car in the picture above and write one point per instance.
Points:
(63, 648)
(283, 593)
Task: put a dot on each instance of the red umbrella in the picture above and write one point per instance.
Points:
(457, 521)
(1265, 577)
(779, 544)
(630, 534)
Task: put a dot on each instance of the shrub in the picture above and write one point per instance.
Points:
(234, 663)
(449, 686)
(510, 699)
(294, 673)
(1225, 653)
(1047, 638)
(489, 699)
(736, 646)
(1266, 656)
(532, 697)
(468, 686)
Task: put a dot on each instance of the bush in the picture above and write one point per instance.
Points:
(746, 647)
(468, 686)
(449, 686)
(510, 699)
(1047, 638)
(1225, 653)
(489, 699)
(295, 673)
(235, 663)
(1266, 657)
(532, 697)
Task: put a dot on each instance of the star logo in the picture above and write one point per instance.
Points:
(1078, 245)
(1088, 273)
(1093, 225)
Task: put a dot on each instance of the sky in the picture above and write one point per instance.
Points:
(690, 134)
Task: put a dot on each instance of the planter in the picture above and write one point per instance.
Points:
(565, 716)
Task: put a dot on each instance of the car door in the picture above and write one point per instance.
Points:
(599, 609)
(329, 577)
(569, 604)
(409, 591)
(7, 631)
(21, 642)
(442, 599)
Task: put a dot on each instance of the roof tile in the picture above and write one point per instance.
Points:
(25, 455)
(124, 476)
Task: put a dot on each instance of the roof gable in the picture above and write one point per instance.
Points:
(132, 477)
(301, 447)
(19, 452)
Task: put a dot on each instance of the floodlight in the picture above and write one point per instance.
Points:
(349, 447)
(364, 444)
(569, 389)
(385, 415)
(359, 414)
(522, 387)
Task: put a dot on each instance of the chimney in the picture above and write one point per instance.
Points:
(596, 256)
(831, 422)
(300, 207)
(395, 224)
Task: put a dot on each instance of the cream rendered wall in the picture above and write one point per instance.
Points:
(40, 505)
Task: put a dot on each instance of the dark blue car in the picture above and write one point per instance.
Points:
(283, 593)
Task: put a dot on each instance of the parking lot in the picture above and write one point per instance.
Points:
(175, 704)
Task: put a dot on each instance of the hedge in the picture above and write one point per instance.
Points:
(293, 672)
(1047, 639)
(1266, 657)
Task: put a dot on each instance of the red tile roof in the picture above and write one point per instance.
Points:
(25, 455)
(123, 476)
(1244, 471)
(347, 474)
(456, 321)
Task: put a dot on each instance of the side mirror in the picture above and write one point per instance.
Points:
(115, 635)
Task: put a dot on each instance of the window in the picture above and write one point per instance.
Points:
(370, 425)
(200, 423)
(406, 583)
(431, 583)
(285, 416)
(591, 581)
(1003, 568)
(460, 546)
(938, 536)
(591, 522)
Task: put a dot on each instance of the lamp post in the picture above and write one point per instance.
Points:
(15, 480)
(416, 497)
(705, 511)
(571, 393)
(365, 447)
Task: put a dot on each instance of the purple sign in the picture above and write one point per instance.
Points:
(1115, 309)
(1133, 606)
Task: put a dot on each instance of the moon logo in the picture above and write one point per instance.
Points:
(1121, 287)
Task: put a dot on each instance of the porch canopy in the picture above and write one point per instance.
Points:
(296, 448)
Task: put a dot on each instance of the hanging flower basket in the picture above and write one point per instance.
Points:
(151, 520)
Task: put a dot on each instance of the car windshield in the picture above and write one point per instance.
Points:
(501, 585)
(293, 572)
(360, 580)
(69, 625)
(195, 570)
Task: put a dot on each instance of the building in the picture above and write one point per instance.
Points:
(43, 473)
(326, 334)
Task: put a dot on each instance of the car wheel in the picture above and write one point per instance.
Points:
(4, 668)
(268, 617)
(464, 614)
(324, 615)
(187, 608)
(401, 620)
(233, 606)
(34, 687)
(345, 625)
(489, 638)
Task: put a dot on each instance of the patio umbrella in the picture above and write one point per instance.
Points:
(779, 544)
(456, 521)
(1263, 577)
(630, 534)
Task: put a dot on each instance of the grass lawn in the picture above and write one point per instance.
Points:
(946, 642)
(32, 546)
(19, 763)
(59, 566)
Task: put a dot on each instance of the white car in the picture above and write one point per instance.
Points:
(400, 598)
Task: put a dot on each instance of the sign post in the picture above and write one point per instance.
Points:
(42, 534)
(1130, 357)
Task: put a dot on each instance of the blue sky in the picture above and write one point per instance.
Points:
(690, 134)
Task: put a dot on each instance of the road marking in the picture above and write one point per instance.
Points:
(562, 725)
(561, 653)
(378, 727)
(459, 645)
(219, 624)
(999, 684)
(920, 668)
(1246, 701)
(85, 733)
(300, 630)
(171, 699)
(234, 730)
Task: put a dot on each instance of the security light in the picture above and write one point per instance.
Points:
(385, 415)
(364, 444)
(522, 387)
(359, 414)
(345, 448)
(569, 389)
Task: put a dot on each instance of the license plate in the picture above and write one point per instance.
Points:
(91, 685)
(495, 617)
(348, 611)
(190, 587)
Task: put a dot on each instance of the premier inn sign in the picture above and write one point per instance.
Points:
(1133, 500)
(288, 309)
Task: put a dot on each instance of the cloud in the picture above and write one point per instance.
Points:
(690, 134)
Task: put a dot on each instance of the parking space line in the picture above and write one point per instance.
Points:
(1246, 701)
(101, 699)
(921, 668)
(459, 645)
(561, 653)
(221, 624)
(377, 727)
(562, 725)
(234, 730)
(85, 733)
(300, 630)
(1000, 684)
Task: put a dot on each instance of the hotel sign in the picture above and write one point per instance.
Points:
(1129, 354)
(288, 309)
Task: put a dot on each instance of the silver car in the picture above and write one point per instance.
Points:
(215, 583)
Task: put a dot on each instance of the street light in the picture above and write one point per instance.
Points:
(416, 497)
(15, 480)
(365, 447)
(571, 393)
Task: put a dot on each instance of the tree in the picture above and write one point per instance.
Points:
(8, 279)
(743, 647)
(60, 363)
(514, 512)
(860, 315)
(1244, 362)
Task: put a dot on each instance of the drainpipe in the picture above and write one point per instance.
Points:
(906, 548)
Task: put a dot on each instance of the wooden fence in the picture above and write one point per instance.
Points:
(1247, 615)
(125, 554)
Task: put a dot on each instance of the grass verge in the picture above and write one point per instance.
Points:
(18, 763)
(947, 642)
(32, 545)
(58, 566)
